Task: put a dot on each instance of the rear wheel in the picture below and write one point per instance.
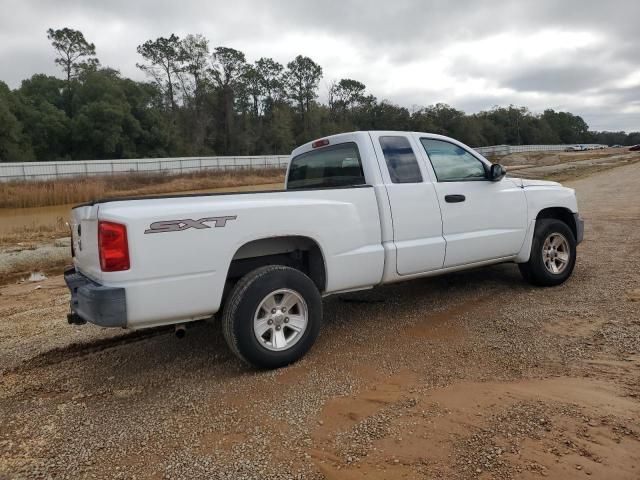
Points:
(272, 316)
(553, 254)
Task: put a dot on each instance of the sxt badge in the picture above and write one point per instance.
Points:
(181, 225)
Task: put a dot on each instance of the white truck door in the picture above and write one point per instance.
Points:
(417, 223)
(482, 219)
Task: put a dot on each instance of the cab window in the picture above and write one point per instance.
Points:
(452, 163)
(332, 166)
(401, 161)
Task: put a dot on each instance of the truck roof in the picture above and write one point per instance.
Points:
(350, 136)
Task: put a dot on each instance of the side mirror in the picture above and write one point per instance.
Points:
(497, 172)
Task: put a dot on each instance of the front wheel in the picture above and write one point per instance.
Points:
(272, 316)
(553, 254)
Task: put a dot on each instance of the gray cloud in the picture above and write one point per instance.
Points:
(402, 49)
(558, 79)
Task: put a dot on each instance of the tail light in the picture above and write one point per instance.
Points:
(113, 247)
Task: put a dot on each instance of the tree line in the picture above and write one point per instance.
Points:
(200, 100)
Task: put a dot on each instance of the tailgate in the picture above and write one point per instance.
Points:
(84, 235)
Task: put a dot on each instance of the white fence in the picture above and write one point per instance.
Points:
(507, 149)
(175, 166)
(172, 166)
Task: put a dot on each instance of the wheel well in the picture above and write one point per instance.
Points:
(559, 213)
(301, 253)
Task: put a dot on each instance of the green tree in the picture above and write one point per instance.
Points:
(156, 136)
(254, 87)
(270, 73)
(632, 139)
(115, 119)
(278, 135)
(46, 126)
(346, 94)
(570, 128)
(44, 88)
(163, 56)
(195, 83)
(40, 107)
(71, 47)
(227, 72)
(14, 147)
(194, 58)
(203, 102)
(387, 116)
(302, 78)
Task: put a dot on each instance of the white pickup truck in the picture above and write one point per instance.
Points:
(359, 210)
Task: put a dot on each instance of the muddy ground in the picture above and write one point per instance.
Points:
(469, 375)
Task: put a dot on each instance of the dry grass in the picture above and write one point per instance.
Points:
(29, 233)
(76, 190)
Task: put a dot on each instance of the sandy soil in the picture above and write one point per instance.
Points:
(470, 375)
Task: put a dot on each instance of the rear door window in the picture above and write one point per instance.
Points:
(333, 166)
(401, 161)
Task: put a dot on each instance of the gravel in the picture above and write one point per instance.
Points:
(27, 258)
(475, 374)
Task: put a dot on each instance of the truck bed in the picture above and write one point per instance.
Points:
(187, 267)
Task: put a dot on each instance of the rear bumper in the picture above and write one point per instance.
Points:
(579, 227)
(95, 303)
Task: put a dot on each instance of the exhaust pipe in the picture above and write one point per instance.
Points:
(181, 330)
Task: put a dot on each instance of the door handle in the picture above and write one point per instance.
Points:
(454, 198)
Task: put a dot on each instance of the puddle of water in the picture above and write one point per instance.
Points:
(36, 277)
(13, 220)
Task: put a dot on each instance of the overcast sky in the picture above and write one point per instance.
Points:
(580, 56)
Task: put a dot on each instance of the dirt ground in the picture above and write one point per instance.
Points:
(565, 166)
(469, 375)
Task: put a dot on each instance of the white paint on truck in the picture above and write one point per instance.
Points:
(418, 206)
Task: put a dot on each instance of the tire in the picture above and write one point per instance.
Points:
(539, 270)
(245, 316)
